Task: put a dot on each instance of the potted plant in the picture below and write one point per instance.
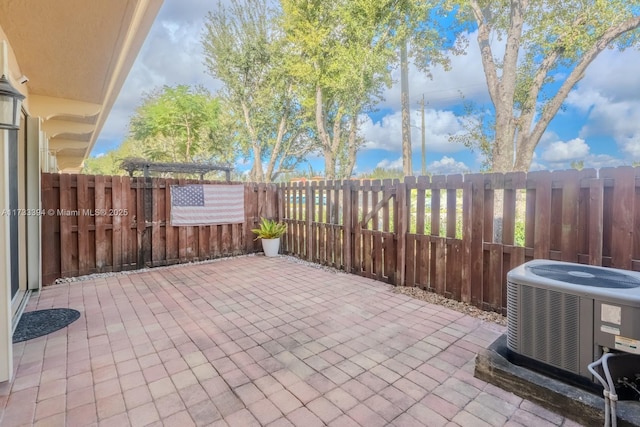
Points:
(270, 232)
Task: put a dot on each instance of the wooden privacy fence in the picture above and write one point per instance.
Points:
(460, 235)
(455, 235)
(93, 224)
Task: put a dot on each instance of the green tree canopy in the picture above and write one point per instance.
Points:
(244, 49)
(548, 45)
(109, 162)
(180, 124)
(341, 56)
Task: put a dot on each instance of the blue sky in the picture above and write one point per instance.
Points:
(599, 125)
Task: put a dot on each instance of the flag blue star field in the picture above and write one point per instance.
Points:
(203, 204)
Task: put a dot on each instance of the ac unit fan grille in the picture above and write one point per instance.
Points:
(544, 325)
(585, 276)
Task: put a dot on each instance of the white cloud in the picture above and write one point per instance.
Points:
(609, 94)
(390, 164)
(464, 80)
(558, 151)
(560, 155)
(447, 166)
(171, 55)
(387, 133)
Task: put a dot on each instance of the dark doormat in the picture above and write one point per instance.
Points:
(34, 324)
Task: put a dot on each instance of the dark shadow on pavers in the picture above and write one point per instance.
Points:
(577, 404)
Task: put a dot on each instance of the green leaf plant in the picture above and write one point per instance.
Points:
(269, 229)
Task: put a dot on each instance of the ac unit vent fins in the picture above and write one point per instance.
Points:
(513, 338)
(549, 326)
(585, 276)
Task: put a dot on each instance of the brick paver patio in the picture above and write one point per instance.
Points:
(255, 341)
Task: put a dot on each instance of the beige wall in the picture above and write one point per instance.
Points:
(29, 143)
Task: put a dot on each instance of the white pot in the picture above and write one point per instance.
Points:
(271, 246)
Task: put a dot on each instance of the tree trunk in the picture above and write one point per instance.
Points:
(256, 170)
(323, 135)
(406, 110)
(353, 147)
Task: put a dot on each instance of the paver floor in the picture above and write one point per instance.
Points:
(253, 341)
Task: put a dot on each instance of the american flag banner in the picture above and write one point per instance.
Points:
(203, 204)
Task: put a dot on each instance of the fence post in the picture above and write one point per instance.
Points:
(346, 225)
(596, 215)
(308, 219)
(401, 233)
(622, 218)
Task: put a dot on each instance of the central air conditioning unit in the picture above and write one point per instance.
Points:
(564, 315)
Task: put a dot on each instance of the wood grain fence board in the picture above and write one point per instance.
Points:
(477, 237)
(100, 222)
(309, 215)
(377, 225)
(622, 215)
(236, 239)
(388, 254)
(366, 205)
(271, 201)
(423, 260)
(86, 258)
(513, 183)
(375, 193)
(51, 255)
(336, 226)
(584, 203)
(316, 231)
(421, 187)
(492, 182)
(286, 199)
(139, 182)
(453, 280)
(335, 208)
(529, 223)
(454, 182)
(321, 245)
(541, 214)
(607, 220)
(347, 243)
(116, 223)
(183, 236)
(569, 215)
(402, 215)
(357, 229)
(467, 202)
(299, 248)
(128, 237)
(387, 211)
(172, 234)
(434, 220)
(302, 221)
(323, 200)
(366, 253)
(225, 239)
(411, 260)
(493, 287)
(327, 240)
(69, 260)
(439, 275)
